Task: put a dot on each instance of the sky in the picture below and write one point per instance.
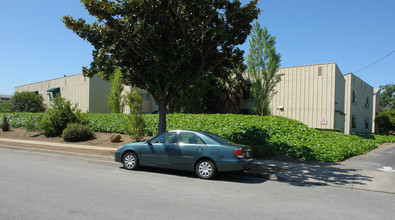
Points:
(36, 46)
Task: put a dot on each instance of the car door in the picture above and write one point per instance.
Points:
(188, 147)
(156, 152)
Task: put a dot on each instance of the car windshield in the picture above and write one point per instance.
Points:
(220, 139)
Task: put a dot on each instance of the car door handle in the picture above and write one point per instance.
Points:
(199, 148)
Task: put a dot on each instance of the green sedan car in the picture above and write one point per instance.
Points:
(202, 152)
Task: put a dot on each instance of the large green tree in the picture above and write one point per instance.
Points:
(387, 96)
(263, 62)
(163, 46)
(212, 94)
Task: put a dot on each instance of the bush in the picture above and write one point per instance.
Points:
(77, 132)
(385, 121)
(5, 107)
(136, 126)
(56, 119)
(33, 123)
(27, 102)
(115, 138)
(4, 125)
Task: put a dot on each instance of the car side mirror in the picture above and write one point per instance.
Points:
(148, 142)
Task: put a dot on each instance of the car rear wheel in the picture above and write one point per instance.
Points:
(206, 169)
(130, 161)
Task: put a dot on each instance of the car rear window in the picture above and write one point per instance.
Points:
(220, 139)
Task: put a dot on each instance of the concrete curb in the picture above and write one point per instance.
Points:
(77, 146)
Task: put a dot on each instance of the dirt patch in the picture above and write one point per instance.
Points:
(101, 139)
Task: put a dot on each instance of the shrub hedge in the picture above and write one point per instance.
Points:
(77, 132)
(386, 121)
(267, 135)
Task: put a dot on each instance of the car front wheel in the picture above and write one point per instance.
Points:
(130, 161)
(206, 169)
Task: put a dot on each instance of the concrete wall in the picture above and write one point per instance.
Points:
(362, 108)
(376, 109)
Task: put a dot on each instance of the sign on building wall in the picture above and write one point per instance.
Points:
(323, 121)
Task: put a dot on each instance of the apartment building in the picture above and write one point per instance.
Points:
(322, 97)
(5, 98)
(318, 95)
(90, 94)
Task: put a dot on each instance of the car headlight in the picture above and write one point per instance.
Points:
(119, 147)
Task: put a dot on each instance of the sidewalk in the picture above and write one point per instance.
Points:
(333, 174)
(345, 174)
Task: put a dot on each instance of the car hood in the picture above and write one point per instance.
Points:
(134, 144)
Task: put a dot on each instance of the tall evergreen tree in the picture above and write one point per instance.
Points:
(115, 97)
(263, 62)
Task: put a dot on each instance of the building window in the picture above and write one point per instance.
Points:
(53, 93)
(247, 93)
(145, 96)
(354, 121)
(366, 123)
(354, 97)
(50, 96)
(367, 102)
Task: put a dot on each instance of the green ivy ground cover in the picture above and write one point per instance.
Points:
(267, 135)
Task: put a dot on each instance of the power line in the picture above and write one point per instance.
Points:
(376, 61)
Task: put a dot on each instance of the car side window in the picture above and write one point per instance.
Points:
(164, 138)
(189, 138)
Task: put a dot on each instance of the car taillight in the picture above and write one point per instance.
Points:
(238, 153)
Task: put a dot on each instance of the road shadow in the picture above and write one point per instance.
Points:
(236, 177)
(302, 174)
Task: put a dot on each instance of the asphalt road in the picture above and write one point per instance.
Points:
(37, 185)
(375, 160)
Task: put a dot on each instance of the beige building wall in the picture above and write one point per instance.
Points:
(88, 93)
(359, 105)
(376, 109)
(307, 94)
(339, 100)
(98, 91)
(322, 97)
(149, 104)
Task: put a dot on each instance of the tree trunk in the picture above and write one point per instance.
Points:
(162, 117)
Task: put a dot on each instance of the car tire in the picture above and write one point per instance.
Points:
(206, 169)
(130, 161)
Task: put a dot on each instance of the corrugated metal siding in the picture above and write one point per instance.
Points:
(76, 89)
(305, 95)
(340, 84)
(73, 88)
(98, 92)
